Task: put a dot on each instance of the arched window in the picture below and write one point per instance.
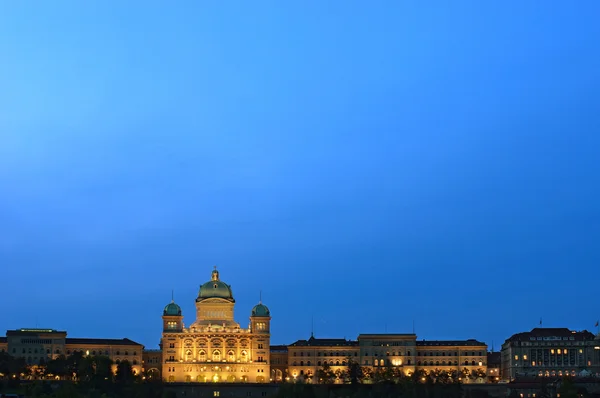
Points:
(216, 356)
(134, 362)
(380, 363)
(437, 363)
(231, 356)
(244, 356)
(126, 353)
(337, 363)
(330, 363)
(430, 363)
(301, 363)
(188, 355)
(318, 363)
(308, 363)
(473, 363)
(202, 355)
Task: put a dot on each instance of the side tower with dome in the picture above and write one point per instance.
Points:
(214, 348)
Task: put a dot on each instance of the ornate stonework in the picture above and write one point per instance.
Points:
(214, 348)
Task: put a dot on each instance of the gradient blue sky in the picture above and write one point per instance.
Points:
(363, 163)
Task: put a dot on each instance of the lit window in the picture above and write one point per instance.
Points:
(525, 357)
(552, 351)
(558, 351)
(516, 357)
(532, 363)
(565, 351)
(216, 394)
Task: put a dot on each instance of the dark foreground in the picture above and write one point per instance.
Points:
(68, 389)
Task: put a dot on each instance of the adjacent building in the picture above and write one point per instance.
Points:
(306, 357)
(37, 346)
(372, 351)
(551, 352)
(214, 348)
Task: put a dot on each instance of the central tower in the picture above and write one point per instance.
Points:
(214, 304)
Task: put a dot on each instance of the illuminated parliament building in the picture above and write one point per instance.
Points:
(214, 348)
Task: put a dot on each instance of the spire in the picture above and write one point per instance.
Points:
(172, 295)
(312, 327)
(215, 274)
(260, 297)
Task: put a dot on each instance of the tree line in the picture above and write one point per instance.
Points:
(76, 376)
(354, 373)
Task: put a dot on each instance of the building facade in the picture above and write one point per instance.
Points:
(214, 348)
(551, 352)
(306, 357)
(372, 351)
(41, 345)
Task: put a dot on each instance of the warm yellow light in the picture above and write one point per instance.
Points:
(87, 352)
(558, 351)
(552, 351)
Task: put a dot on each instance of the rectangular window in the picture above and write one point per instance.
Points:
(516, 357)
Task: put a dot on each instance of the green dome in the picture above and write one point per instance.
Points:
(172, 309)
(215, 288)
(260, 310)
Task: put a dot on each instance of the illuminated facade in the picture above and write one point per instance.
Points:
(372, 351)
(42, 345)
(551, 352)
(214, 348)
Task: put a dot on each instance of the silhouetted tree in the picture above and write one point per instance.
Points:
(354, 372)
(124, 373)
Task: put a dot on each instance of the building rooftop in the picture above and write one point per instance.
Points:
(550, 334)
(32, 331)
(101, 341)
(379, 335)
(313, 342)
(467, 343)
(278, 348)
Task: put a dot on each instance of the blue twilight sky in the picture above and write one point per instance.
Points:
(365, 164)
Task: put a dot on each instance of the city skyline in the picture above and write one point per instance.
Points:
(365, 167)
(313, 330)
